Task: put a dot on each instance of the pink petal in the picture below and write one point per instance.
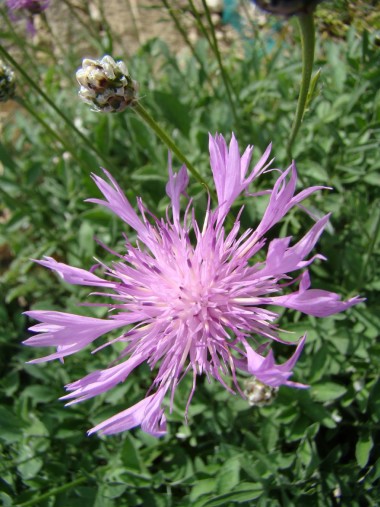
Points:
(229, 170)
(283, 259)
(147, 413)
(176, 186)
(270, 373)
(101, 381)
(75, 276)
(118, 203)
(66, 331)
(316, 302)
(282, 199)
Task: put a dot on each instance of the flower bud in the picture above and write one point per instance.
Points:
(259, 394)
(7, 83)
(106, 85)
(32, 6)
(26, 8)
(287, 7)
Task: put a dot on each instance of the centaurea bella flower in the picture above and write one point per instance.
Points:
(197, 307)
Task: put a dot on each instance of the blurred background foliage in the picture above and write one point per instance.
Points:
(317, 447)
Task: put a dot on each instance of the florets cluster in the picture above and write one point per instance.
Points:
(192, 298)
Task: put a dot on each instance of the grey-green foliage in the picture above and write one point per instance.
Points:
(317, 447)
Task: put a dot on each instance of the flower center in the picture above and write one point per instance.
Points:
(193, 302)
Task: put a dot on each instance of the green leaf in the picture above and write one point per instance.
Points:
(175, 112)
(40, 393)
(10, 383)
(149, 173)
(202, 487)
(86, 235)
(312, 92)
(6, 158)
(11, 426)
(229, 475)
(363, 449)
(31, 465)
(245, 492)
(6, 500)
(327, 391)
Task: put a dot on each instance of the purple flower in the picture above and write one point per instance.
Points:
(29, 8)
(32, 6)
(201, 306)
(287, 7)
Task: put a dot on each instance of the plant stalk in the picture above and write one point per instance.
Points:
(213, 43)
(165, 138)
(53, 492)
(307, 31)
(68, 122)
(188, 42)
(52, 132)
(371, 247)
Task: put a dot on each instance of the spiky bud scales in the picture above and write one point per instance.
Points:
(106, 85)
(7, 83)
(259, 394)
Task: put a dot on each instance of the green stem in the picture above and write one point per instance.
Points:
(53, 39)
(215, 48)
(21, 462)
(133, 9)
(225, 77)
(20, 42)
(255, 36)
(371, 247)
(159, 131)
(199, 23)
(307, 31)
(87, 26)
(53, 492)
(112, 37)
(52, 132)
(188, 42)
(166, 139)
(25, 75)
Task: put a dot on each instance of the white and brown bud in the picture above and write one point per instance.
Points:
(7, 83)
(106, 85)
(287, 7)
(259, 394)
